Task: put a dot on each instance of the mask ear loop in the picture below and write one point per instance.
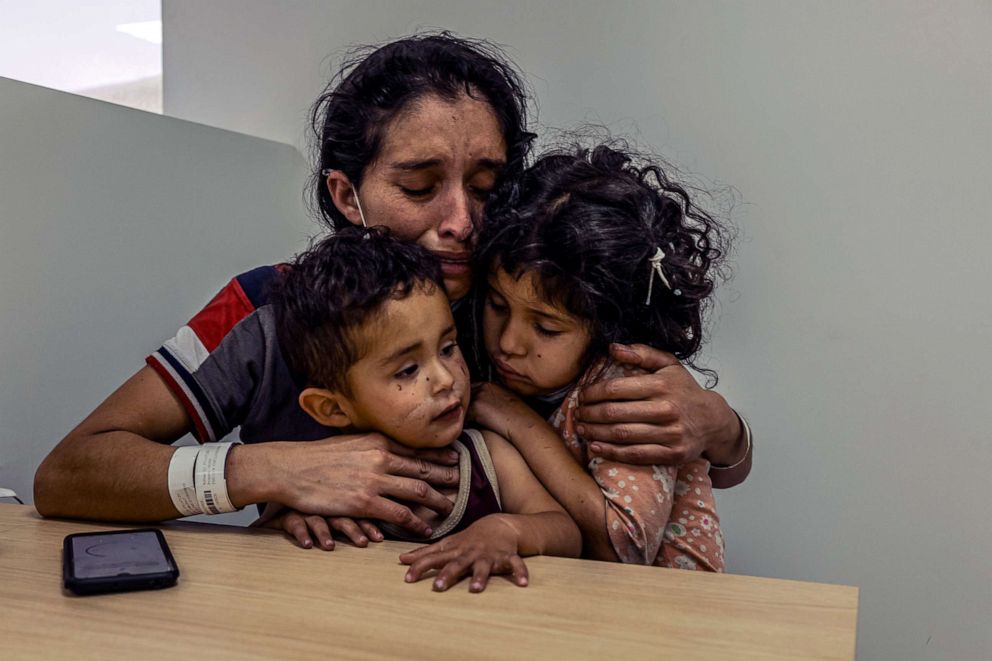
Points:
(361, 214)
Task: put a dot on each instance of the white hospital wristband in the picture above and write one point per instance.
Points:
(209, 478)
(182, 486)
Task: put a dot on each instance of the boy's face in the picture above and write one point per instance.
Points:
(536, 347)
(412, 384)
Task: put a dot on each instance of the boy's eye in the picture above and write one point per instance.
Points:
(407, 372)
(547, 332)
(448, 349)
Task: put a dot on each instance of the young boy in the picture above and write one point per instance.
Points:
(367, 330)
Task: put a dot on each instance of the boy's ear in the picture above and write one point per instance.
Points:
(343, 195)
(324, 406)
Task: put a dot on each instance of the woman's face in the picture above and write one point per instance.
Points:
(438, 161)
(536, 347)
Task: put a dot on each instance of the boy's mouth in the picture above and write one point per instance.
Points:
(449, 414)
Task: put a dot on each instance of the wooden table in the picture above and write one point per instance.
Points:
(251, 594)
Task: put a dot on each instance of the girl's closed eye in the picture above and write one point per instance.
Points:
(547, 332)
(407, 372)
(495, 306)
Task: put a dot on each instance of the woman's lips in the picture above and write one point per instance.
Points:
(455, 263)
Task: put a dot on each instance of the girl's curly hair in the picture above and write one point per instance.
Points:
(586, 223)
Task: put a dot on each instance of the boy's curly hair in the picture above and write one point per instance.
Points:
(333, 289)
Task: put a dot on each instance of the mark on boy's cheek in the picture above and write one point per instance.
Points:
(538, 355)
(399, 386)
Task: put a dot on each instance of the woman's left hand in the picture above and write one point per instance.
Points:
(664, 417)
(489, 546)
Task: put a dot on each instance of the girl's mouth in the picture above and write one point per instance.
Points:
(507, 372)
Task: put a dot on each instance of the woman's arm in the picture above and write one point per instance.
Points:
(115, 464)
(664, 417)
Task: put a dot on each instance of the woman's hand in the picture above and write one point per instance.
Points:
(489, 546)
(363, 476)
(305, 528)
(664, 417)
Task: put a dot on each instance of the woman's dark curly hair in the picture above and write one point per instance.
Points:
(375, 84)
(586, 224)
(333, 289)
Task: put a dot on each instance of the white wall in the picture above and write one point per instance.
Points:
(856, 334)
(116, 226)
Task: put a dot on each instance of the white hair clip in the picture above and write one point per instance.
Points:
(655, 261)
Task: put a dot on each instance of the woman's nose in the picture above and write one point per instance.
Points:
(459, 215)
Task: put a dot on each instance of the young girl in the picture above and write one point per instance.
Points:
(595, 250)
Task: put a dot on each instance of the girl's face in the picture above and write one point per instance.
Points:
(438, 161)
(536, 347)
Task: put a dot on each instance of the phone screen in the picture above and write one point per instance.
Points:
(118, 554)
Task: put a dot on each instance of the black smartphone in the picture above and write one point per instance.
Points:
(117, 561)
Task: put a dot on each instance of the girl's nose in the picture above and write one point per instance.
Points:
(511, 339)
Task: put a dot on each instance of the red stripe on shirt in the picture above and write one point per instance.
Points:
(215, 321)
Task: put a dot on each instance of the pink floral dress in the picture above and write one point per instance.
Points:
(655, 515)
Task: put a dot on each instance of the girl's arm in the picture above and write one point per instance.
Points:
(533, 523)
(663, 417)
(549, 459)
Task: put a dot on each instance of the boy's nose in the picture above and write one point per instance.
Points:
(443, 378)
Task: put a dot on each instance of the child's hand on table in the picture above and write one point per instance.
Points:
(305, 529)
(489, 546)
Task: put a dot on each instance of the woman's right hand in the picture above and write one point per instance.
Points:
(363, 476)
(310, 529)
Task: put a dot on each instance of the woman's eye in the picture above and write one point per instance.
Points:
(481, 192)
(417, 192)
(407, 372)
(546, 332)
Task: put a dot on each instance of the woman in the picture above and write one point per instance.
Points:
(413, 136)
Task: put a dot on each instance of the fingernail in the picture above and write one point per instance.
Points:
(363, 540)
(523, 581)
(580, 430)
(328, 543)
(452, 455)
(408, 578)
(428, 532)
(307, 543)
(476, 587)
(595, 448)
(439, 584)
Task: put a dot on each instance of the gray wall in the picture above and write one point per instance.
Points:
(116, 226)
(856, 333)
